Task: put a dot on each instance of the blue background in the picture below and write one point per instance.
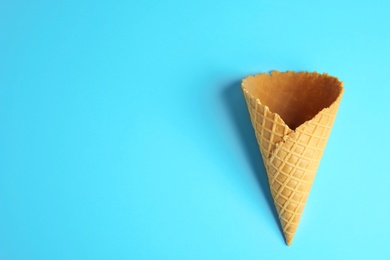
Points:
(124, 133)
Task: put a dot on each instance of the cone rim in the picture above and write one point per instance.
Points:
(302, 126)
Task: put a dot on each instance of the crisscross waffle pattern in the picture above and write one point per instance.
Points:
(291, 158)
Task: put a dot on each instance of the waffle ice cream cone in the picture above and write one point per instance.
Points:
(292, 114)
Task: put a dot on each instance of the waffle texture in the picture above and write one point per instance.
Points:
(292, 152)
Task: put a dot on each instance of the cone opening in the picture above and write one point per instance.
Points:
(295, 97)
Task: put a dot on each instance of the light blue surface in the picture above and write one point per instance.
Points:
(124, 133)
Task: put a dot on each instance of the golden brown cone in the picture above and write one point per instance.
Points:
(292, 114)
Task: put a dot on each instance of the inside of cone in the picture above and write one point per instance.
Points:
(295, 97)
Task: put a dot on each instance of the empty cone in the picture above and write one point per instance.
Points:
(292, 114)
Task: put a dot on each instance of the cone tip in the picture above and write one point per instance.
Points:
(289, 238)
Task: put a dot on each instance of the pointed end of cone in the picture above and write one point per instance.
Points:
(289, 238)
